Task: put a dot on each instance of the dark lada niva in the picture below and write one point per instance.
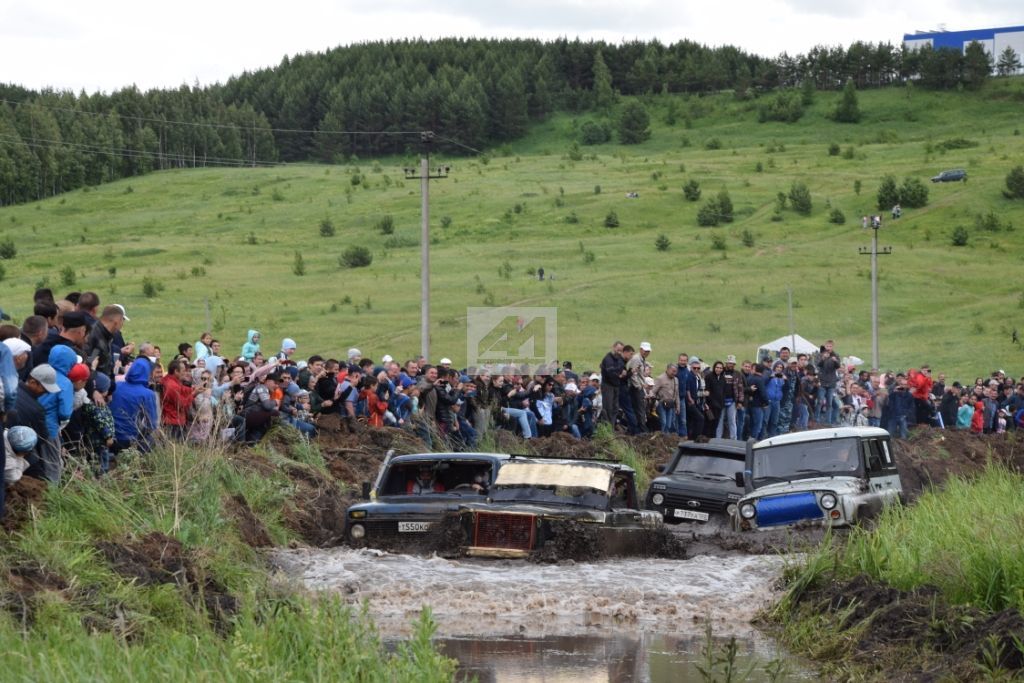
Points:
(412, 493)
(535, 499)
(699, 484)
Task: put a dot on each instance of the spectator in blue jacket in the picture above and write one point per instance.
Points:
(134, 408)
(775, 387)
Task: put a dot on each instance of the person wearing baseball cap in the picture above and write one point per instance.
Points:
(30, 412)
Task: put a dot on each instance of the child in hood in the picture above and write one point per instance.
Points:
(252, 345)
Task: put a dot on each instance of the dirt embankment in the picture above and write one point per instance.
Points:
(891, 634)
(931, 456)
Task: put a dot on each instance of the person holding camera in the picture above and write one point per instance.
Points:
(825, 410)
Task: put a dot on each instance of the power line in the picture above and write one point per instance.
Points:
(218, 125)
(129, 153)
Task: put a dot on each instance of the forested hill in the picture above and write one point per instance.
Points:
(370, 99)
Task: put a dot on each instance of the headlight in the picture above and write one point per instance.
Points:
(657, 499)
(747, 511)
(731, 509)
(357, 531)
(357, 514)
(828, 501)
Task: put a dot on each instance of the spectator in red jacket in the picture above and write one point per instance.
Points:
(920, 383)
(177, 398)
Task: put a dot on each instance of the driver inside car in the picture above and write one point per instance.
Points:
(425, 482)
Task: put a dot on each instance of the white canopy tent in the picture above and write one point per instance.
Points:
(795, 342)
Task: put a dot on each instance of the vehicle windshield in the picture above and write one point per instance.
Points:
(459, 477)
(804, 460)
(560, 483)
(710, 466)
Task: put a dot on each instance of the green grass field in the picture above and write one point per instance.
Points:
(189, 231)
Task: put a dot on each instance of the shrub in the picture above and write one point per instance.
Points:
(355, 256)
(611, 220)
(594, 133)
(713, 143)
(299, 265)
(3, 272)
(386, 225)
(785, 106)
(955, 143)
(446, 221)
(7, 249)
(1014, 184)
(888, 195)
(989, 222)
(572, 218)
(856, 186)
(574, 152)
(708, 215)
(833, 149)
(748, 238)
(718, 241)
(326, 228)
(691, 190)
(67, 276)
(800, 198)
(662, 243)
(151, 287)
(837, 217)
(959, 237)
(277, 195)
(849, 152)
(913, 193)
(597, 189)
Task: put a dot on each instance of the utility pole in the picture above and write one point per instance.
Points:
(424, 176)
(792, 329)
(874, 253)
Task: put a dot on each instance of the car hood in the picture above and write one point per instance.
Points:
(838, 485)
(391, 505)
(706, 488)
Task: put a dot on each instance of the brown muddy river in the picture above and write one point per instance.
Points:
(511, 620)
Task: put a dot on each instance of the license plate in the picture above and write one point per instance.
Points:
(690, 514)
(417, 527)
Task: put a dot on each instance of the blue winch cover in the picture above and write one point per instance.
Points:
(787, 509)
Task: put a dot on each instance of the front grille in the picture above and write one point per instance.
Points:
(377, 531)
(499, 530)
(681, 501)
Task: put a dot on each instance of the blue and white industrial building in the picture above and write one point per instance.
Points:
(994, 40)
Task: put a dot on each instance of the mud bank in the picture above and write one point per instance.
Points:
(860, 628)
(504, 597)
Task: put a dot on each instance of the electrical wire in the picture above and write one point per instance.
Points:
(128, 153)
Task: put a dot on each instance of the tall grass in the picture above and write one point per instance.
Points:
(92, 622)
(966, 539)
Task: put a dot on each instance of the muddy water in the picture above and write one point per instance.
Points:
(510, 620)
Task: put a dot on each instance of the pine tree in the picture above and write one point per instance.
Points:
(847, 111)
(634, 124)
(604, 96)
(977, 65)
(1009, 62)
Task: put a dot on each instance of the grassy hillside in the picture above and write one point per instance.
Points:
(191, 233)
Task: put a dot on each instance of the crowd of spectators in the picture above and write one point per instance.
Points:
(73, 387)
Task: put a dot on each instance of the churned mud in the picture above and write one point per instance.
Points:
(914, 635)
(501, 597)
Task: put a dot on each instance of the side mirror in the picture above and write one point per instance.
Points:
(660, 469)
(739, 479)
(366, 490)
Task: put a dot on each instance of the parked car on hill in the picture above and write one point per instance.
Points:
(699, 484)
(413, 492)
(533, 500)
(955, 175)
(834, 477)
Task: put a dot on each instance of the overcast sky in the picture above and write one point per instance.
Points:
(108, 44)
